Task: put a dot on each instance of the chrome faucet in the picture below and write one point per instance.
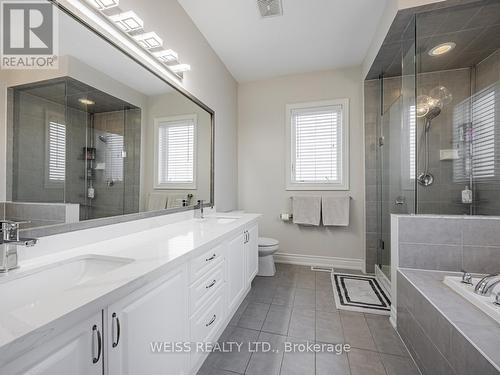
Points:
(9, 240)
(486, 285)
(200, 206)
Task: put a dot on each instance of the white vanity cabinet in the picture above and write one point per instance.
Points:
(77, 351)
(192, 303)
(151, 316)
(236, 270)
(252, 253)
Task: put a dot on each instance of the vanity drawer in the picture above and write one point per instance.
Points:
(205, 324)
(206, 286)
(206, 261)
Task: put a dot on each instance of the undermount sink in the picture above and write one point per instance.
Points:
(24, 288)
(226, 220)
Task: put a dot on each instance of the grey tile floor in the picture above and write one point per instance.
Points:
(297, 306)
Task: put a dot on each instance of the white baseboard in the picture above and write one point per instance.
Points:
(320, 261)
(383, 281)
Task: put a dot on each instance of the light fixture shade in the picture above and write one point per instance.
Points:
(127, 21)
(167, 55)
(104, 4)
(442, 48)
(149, 40)
(86, 101)
(180, 68)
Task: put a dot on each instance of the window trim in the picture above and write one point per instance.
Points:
(59, 119)
(290, 152)
(175, 185)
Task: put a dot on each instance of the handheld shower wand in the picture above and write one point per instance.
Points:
(426, 178)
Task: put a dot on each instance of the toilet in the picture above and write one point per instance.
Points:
(267, 247)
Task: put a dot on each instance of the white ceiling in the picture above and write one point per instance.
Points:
(311, 35)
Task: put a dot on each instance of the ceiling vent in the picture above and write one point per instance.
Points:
(270, 8)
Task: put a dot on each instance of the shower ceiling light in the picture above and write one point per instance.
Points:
(149, 40)
(166, 55)
(86, 101)
(180, 68)
(127, 21)
(442, 48)
(104, 4)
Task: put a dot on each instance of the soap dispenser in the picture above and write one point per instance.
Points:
(467, 195)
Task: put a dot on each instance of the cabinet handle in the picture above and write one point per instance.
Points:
(95, 331)
(211, 284)
(211, 321)
(211, 258)
(115, 318)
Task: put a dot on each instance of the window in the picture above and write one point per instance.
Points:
(317, 139)
(412, 141)
(475, 136)
(175, 152)
(114, 157)
(55, 159)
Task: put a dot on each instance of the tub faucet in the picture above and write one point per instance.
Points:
(9, 240)
(486, 285)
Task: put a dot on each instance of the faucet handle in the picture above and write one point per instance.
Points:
(200, 202)
(466, 277)
(10, 229)
(497, 299)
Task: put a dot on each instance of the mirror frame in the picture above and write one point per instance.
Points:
(95, 223)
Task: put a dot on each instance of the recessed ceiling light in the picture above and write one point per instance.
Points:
(127, 21)
(166, 55)
(149, 40)
(442, 48)
(104, 4)
(86, 101)
(180, 68)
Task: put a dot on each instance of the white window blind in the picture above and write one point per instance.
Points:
(475, 122)
(114, 157)
(412, 141)
(56, 152)
(175, 153)
(317, 144)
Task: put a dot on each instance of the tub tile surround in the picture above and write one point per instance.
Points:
(444, 333)
(156, 245)
(448, 243)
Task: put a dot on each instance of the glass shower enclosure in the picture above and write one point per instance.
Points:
(437, 141)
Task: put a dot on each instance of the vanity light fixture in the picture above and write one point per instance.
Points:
(149, 40)
(127, 21)
(166, 56)
(180, 68)
(442, 48)
(86, 101)
(104, 4)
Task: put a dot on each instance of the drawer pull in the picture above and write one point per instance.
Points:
(211, 321)
(95, 332)
(211, 258)
(211, 284)
(115, 319)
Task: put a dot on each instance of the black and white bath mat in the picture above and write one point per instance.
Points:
(360, 293)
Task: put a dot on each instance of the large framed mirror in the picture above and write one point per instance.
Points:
(100, 139)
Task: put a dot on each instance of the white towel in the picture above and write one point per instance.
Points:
(156, 201)
(175, 200)
(335, 211)
(306, 210)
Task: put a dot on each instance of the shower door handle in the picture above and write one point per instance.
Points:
(400, 201)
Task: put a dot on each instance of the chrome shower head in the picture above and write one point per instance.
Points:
(103, 139)
(432, 114)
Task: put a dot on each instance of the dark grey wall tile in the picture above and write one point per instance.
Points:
(481, 232)
(466, 359)
(426, 256)
(481, 259)
(416, 229)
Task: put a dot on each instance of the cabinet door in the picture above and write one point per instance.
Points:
(252, 253)
(78, 351)
(139, 325)
(236, 274)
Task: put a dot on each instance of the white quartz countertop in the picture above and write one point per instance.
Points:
(150, 254)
